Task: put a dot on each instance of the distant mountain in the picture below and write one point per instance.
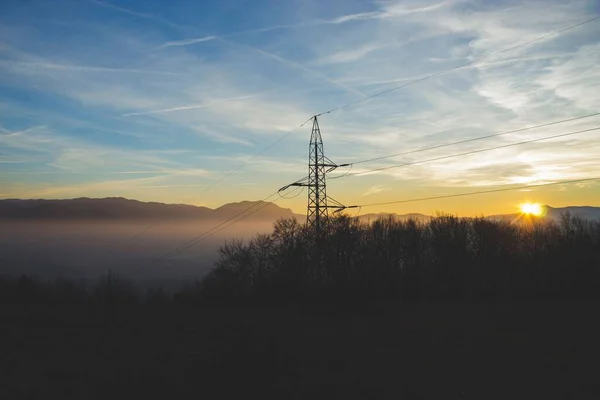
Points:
(399, 217)
(118, 208)
(585, 212)
(552, 213)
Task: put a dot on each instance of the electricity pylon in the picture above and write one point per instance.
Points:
(317, 212)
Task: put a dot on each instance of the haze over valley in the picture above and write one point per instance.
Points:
(84, 238)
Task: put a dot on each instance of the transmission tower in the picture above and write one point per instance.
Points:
(317, 212)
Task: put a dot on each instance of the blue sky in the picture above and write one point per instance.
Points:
(156, 100)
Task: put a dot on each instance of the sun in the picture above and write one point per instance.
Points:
(534, 209)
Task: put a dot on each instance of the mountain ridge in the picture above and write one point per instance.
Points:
(120, 208)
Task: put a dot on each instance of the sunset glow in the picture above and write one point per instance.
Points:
(534, 209)
(174, 96)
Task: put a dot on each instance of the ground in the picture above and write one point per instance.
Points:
(535, 350)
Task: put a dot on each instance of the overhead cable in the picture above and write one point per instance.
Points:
(473, 139)
(480, 192)
(464, 153)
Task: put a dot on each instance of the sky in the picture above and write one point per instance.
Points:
(159, 101)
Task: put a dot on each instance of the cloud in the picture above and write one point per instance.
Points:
(220, 137)
(264, 165)
(67, 155)
(354, 54)
(87, 189)
(300, 67)
(115, 120)
(188, 107)
(8, 133)
(576, 79)
(82, 68)
(393, 11)
(121, 9)
(187, 42)
(136, 14)
(375, 190)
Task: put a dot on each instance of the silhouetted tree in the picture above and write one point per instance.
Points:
(447, 258)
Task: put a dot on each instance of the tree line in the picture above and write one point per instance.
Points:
(444, 259)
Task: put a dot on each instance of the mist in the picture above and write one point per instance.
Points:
(86, 250)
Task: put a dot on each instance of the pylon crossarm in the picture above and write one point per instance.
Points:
(324, 165)
(297, 183)
(334, 201)
(286, 187)
(342, 208)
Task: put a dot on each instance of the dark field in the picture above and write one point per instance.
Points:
(528, 350)
(451, 308)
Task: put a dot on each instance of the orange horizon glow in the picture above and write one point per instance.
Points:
(534, 209)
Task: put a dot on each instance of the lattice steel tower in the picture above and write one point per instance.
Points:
(319, 166)
(317, 213)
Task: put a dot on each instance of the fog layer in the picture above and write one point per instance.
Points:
(87, 250)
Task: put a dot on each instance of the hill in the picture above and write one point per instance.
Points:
(118, 208)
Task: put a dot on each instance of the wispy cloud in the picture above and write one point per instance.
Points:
(221, 137)
(122, 108)
(121, 9)
(224, 39)
(187, 42)
(375, 190)
(302, 68)
(393, 11)
(136, 13)
(8, 133)
(188, 107)
(355, 53)
(82, 68)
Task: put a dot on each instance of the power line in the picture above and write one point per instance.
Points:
(473, 140)
(458, 67)
(202, 236)
(221, 226)
(408, 84)
(276, 142)
(465, 153)
(411, 83)
(264, 205)
(227, 175)
(225, 224)
(224, 177)
(477, 192)
(215, 229)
